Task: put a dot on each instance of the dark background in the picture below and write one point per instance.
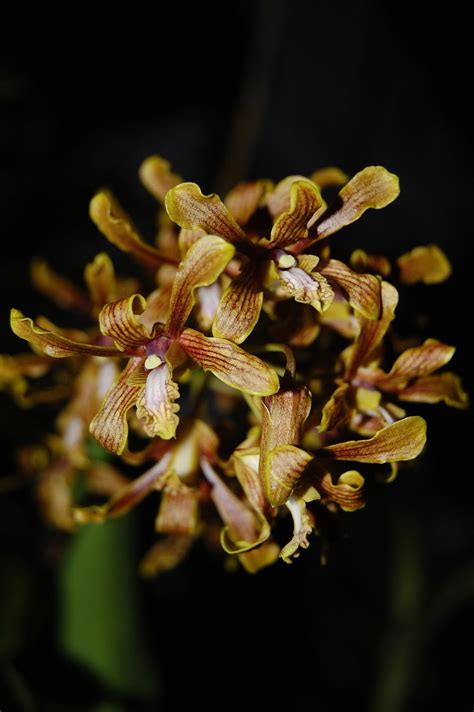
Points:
(226, 91)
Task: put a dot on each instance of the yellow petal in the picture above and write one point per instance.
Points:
(203, 264)
(427, 264)
(421, 360)
(329, 177)
(257, 559)
(240, 306)
(157, 177)
(284, 468)
(178, 513)
(156, 403)
(373, 187)
(301, 530)
(110, 427)
(113, 223)
(445, 387)
(363, 290)
(189, 208)
(246, 198)
(291, 226)
(52, 344)
(278, 200)
(121, 321)
(403, 440)
(230, 363)
(60, 290)
(99, 276)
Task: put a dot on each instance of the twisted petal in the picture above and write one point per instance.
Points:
(240, 306)
(336, 411)
(157, 177)
(403, 440)
(178, 513)
(114, 224)
(284, 468)
(189, 208)
(363, 290)
(362, 261)
(445, 387)
(156, 403)
(307, 288)
(127, 498)
(373, 187)
(230, 363)
(426, 264)
(165, 555)
(278, 200)
(203, 264)
(60, 290)
(372, 331)
(110, 427)
(291, 226)
(121, 321)
(53, 344)
(246, 198)
(347, 492)
(329, 177)
(301, 530)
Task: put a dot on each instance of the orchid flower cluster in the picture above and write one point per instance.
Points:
(289, 370)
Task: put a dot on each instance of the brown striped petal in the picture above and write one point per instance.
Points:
(284, 468)
(427, 264)
(363, 290)
(363, 261)
(121, 321)
(337, 410)
(302, 528)
(283, 417)
(240, 306)
(347, 492)
(278, 200)
(291, 226)
(178, 513)
(156, 403)
(445, 387)
(372, 331)
(189, 208)
(165, 555)
(307, 288)
(420, 361)
(157, 177)
(60, 290)
(373, 187)
(187, 238)
(113, 223)
(127, 498)
(203, 264)
(329, 177)
(403, 440)
(52, 344)
(230, 363)
(110, 427)
(246, 198)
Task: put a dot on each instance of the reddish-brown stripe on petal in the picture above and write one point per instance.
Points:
(240, 306)
(363, 290)
(121, 321)
(305, 201)
(445, 387)
(246, 198)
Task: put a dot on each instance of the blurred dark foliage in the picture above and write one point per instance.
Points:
(264, 88)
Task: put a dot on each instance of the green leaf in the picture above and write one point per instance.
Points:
(100, 625)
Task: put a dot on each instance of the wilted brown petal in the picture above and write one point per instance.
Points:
(157, 177)
(301, 530)
(230, 363)
(363, 290)
(121, 321)
(329, 177)
(189, 208)
(291, 226)
(240, 306)
(110, 427)
(284, 468)
(178, 513)
(373, 187)
(347, 492)
(54, 345)
(363, 261)
(445, 387)
(112, 222)
(246, 198)
(403, 440)
(156, 403)
(203, 264)
(60, 290)
(372, 331)
(426, 264)
(337, 410)
(165, 555)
